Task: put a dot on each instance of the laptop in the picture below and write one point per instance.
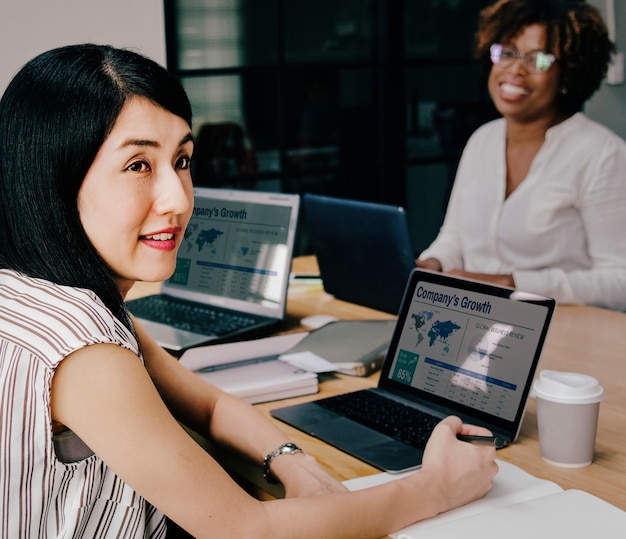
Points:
(232, 270)
(363, 249)
(459, 347)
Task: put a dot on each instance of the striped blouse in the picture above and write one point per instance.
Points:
(41, 494)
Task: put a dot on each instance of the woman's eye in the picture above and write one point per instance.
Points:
(183, 162)
(138, 166)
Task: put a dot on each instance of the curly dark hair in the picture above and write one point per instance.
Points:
(576, 35)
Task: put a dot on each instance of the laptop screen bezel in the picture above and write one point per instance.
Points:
(445, 406)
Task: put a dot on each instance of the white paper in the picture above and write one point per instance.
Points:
(511, 485)
(570, 514)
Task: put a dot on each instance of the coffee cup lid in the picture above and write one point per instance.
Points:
(567, 387)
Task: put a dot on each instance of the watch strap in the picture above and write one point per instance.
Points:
(288, 448)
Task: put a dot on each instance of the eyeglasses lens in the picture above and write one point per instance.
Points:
(533, 62)
(540, 61)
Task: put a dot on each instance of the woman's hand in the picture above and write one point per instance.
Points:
(459, 472)
(497, 279)
(429, 264)
(433, 264)
(302, 475)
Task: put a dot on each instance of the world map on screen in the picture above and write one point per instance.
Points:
(437, 331)
(201, 238)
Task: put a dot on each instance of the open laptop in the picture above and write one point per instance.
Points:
(363, 249)
(232, 269)
(459, 347)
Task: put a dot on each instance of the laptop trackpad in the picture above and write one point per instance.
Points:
(357, 440)
(366, 444)
(344, 431)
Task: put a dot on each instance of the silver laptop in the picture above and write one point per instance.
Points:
(459, 347)
(232, 270)
(363, 249)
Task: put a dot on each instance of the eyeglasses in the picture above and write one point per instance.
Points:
(533, 62)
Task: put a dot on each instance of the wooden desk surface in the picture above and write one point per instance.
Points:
(581, 339)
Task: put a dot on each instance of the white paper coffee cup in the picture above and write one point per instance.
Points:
(567, 417)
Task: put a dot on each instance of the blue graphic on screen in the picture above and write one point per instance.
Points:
(467, 347)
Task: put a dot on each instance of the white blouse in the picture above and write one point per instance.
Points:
(561, 233)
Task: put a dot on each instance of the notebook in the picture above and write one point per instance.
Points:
(363, 249)
(232, 270)
(459, 347)
(519, 505)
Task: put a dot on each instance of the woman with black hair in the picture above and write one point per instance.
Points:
(539, 196)
(95, 194)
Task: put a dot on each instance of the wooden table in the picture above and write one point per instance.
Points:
(582, 339)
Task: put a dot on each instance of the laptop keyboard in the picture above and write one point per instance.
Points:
(189, 316)
(384, 415)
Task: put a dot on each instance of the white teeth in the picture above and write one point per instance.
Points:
(512, 89)
(161, 237)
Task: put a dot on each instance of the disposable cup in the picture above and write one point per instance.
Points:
(568, 405)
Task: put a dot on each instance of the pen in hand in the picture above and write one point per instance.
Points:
(490, 440)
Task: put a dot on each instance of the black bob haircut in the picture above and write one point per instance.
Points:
(54, 116)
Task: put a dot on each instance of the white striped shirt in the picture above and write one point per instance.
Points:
(40, 495)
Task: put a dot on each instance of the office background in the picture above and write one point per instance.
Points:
(365, 99)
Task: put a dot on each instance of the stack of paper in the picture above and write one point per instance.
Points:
(283, 366)
(251, 370)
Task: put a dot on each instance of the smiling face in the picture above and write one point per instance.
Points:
(521, 96)
(137, 196)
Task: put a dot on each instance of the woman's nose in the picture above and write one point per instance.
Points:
(175, 193)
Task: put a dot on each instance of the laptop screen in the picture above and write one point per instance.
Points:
(237, 250)
(469, 345)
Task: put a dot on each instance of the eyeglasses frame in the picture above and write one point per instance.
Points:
(520, 55)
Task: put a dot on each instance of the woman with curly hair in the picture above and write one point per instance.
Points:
(539, 196)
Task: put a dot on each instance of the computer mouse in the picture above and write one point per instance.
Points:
(317, 320)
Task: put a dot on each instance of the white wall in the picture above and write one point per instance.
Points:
(29, 27)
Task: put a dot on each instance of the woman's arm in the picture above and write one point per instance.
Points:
(106, 396)
(228, 420)
(601, 200)
(499, 279)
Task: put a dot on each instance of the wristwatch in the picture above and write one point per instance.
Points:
(285, 449)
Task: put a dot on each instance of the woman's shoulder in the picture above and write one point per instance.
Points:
(588, 131)
(44, 295)
(56, 319)
(487, 140)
